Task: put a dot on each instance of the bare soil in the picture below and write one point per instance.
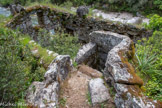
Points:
(74, 91)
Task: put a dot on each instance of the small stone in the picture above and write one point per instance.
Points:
(98, 91)
(82, 11)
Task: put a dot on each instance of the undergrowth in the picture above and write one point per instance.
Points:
(62, 43)
(148, 54)
(18, 66)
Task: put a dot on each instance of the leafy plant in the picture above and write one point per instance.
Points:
(155, 23)
(62, 102)
(147, 62)
(158, 3)
(150, 64)
(13, 66)
(89, 98)
(18, 67)
(154, 89)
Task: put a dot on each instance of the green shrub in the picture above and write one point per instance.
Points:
(18, 67)
(158, 4)
(154, 89)
(61, 43)
(155, 23)
(6, 2)
(150, 64)
(12, 69)
(65, 44)
(147, 61)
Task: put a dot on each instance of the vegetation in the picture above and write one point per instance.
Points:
(144, 6)
(89, 98)
(18, 64)
(150, 59)
(61, 43)
(19, 67)
(62, 102)
(155, 23)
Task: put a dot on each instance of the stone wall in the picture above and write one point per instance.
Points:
(51, 18)
(104, 50)
(118, 72)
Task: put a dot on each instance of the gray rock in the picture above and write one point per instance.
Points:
(130, 96)
(45, 94)
(119, 71)
(114, 64)
(106, 40)
(58, 69)
(85, 52)
(82, 11)
(38, 95)
(98, 91)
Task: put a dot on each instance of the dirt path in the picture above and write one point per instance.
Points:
(74, 91)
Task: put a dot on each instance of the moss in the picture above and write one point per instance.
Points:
(143, 89)
(131, 52)
(135, 90)
(29, 9)
(136, 79)
(42, 52)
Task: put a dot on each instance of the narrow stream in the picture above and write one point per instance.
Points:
(123, 17)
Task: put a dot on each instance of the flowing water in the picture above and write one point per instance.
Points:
(123, 17)
(5, 11)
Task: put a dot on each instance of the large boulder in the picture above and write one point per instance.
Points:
(45, 94)
(119, 48)
(82, 11)
(131, 96)
(122, 75)
(105, 40)
(58, 69)
(98, 91)
(38, 95)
